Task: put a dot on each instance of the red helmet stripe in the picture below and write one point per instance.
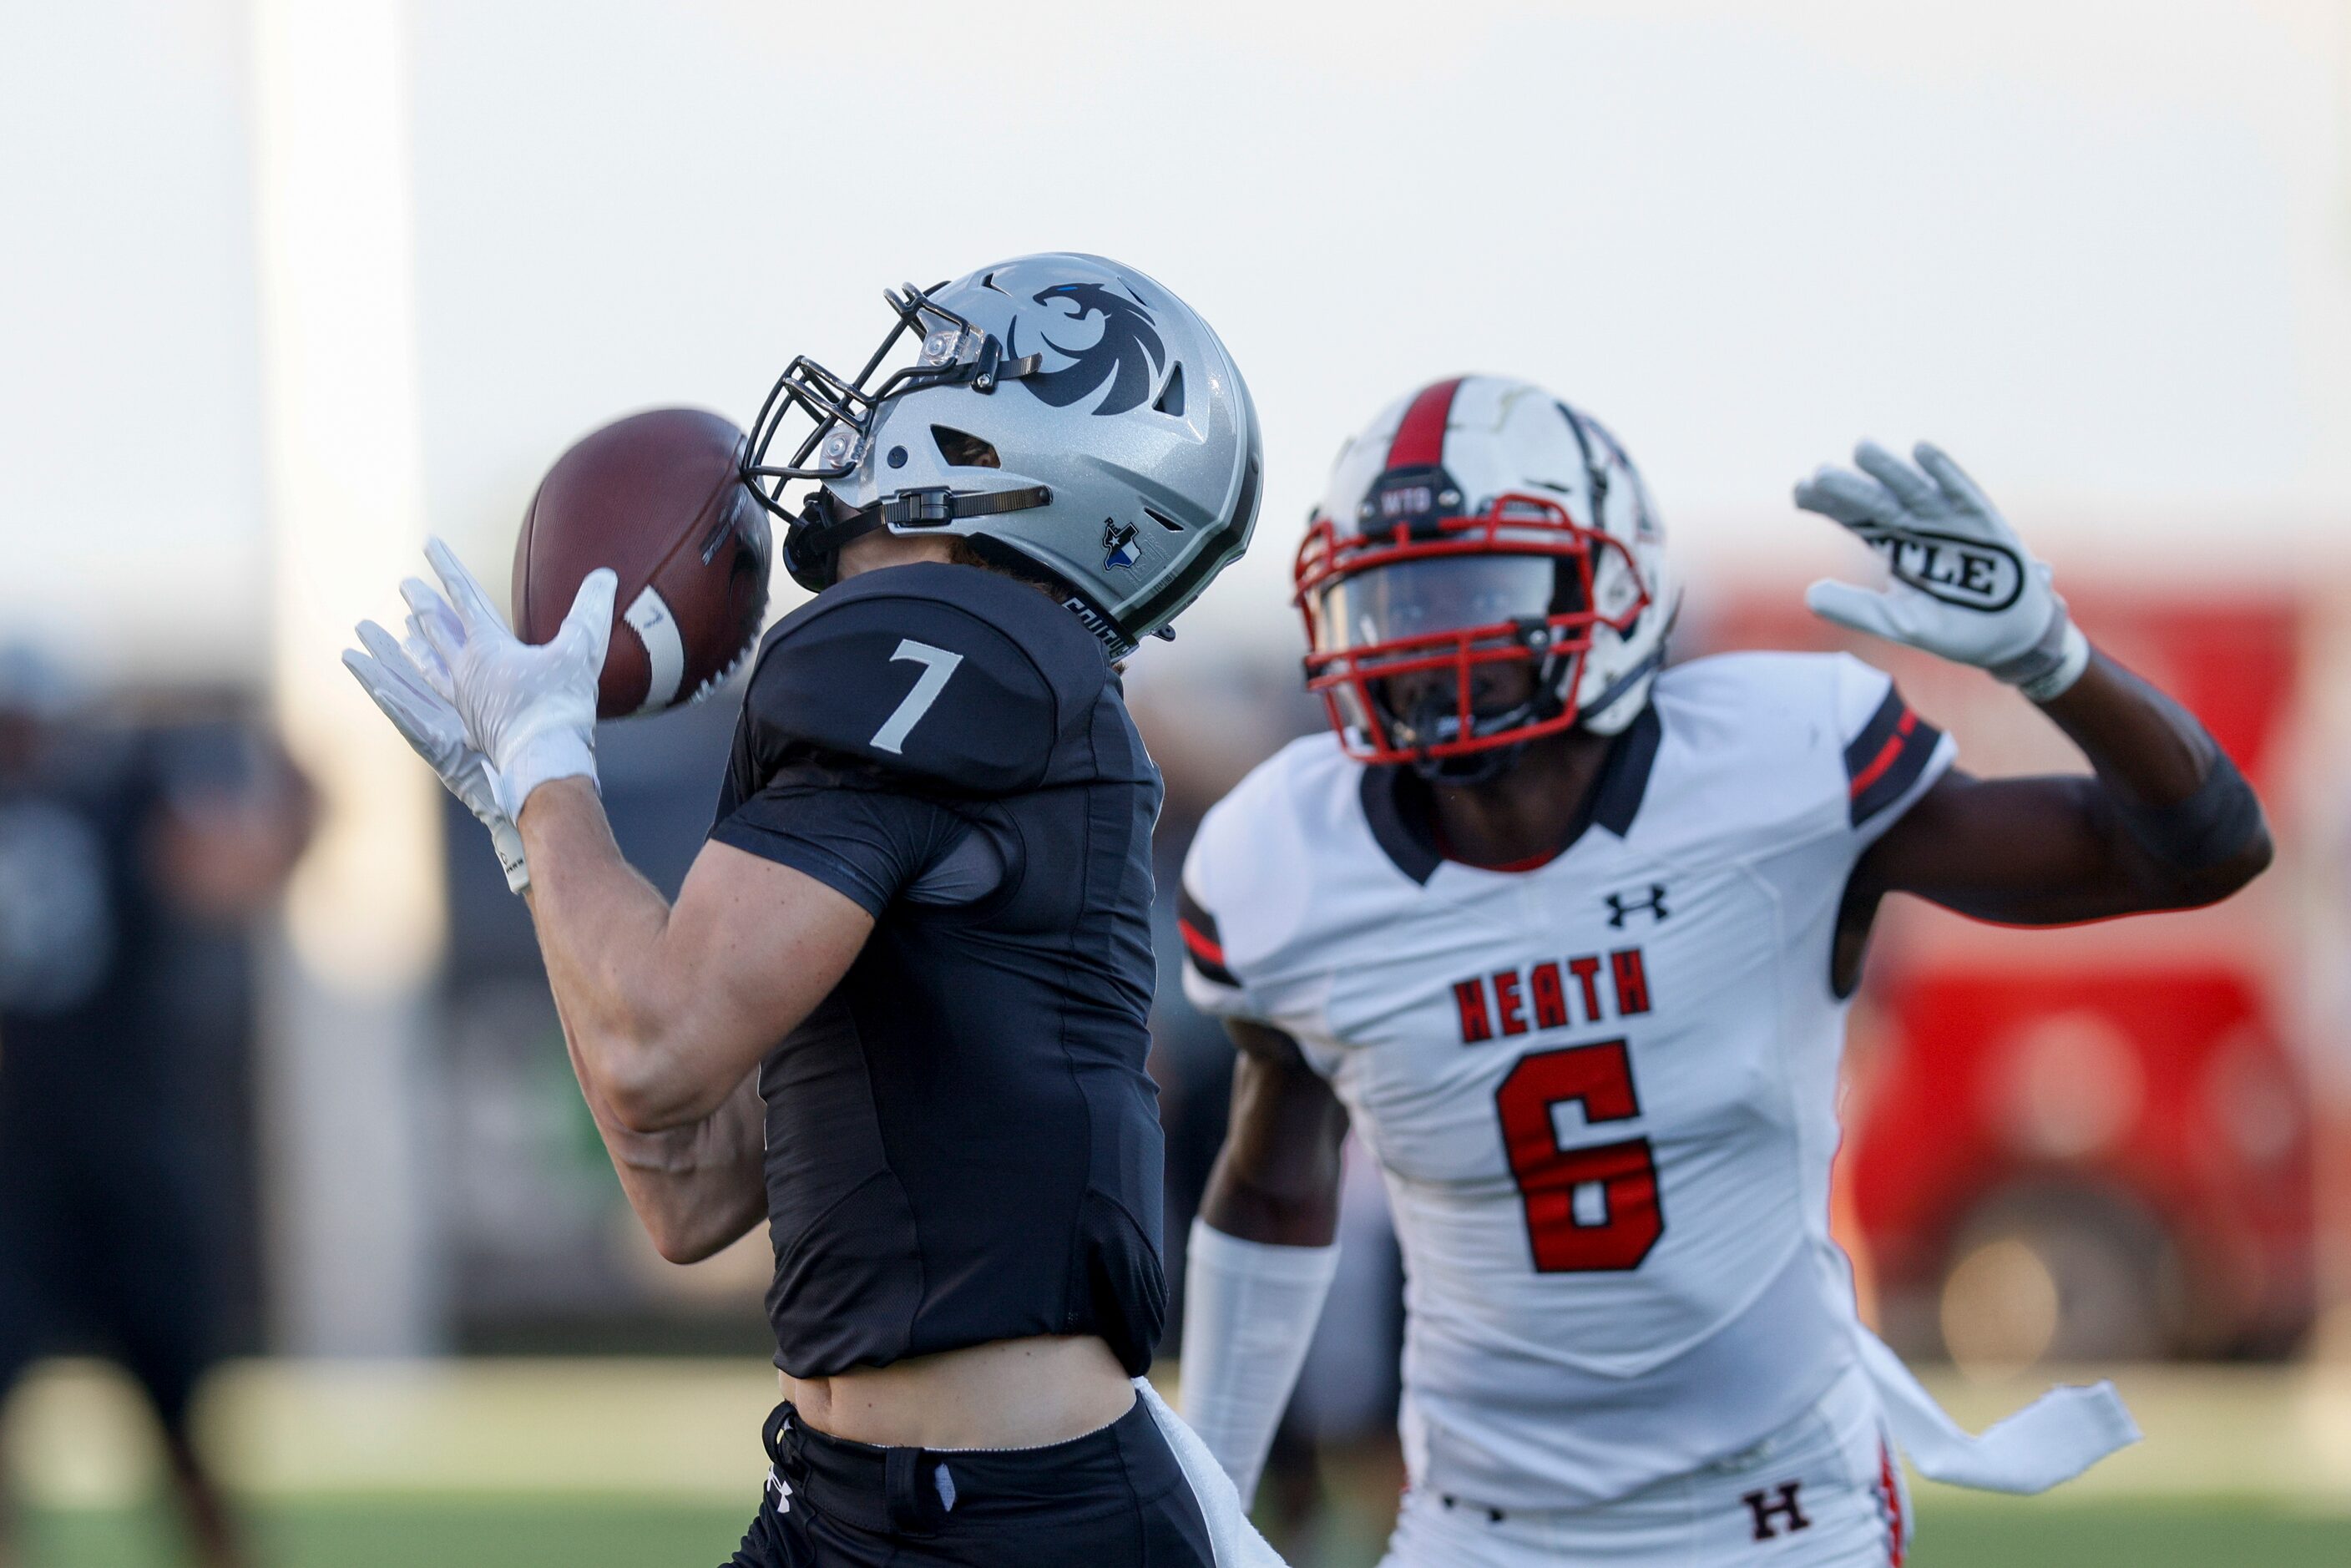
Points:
(1420, 440)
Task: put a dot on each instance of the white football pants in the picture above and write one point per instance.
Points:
(1824, 1491)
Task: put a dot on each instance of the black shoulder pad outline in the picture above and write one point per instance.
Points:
(933, 671)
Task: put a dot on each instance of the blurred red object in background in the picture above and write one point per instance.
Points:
(2143, 1138)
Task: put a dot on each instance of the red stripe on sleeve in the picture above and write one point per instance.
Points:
(1208, 952)
(1420, 440)
(1886, 754)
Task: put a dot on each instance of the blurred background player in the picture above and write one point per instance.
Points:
(130, 857)
(900, 1007)
(1570, 942)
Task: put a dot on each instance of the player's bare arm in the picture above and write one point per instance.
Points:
(2137, 835)
(670, 1007)
(1277, 1178)
(2164, 821)
(696, 1190)
(661, 1005)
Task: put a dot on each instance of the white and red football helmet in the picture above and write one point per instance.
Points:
(1478, 522)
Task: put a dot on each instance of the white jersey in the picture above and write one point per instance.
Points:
(1601, 1091)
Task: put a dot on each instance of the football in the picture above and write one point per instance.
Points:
(656, 497)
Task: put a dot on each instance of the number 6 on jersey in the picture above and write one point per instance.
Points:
(937, 664)
(1599, 1079)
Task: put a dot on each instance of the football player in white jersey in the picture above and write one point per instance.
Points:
(1568, 939)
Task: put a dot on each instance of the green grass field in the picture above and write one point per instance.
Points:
(520, 1533)
(551, 1463)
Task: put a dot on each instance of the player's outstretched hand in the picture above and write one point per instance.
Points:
(529, 709)
(411, 686)
(1963, 585)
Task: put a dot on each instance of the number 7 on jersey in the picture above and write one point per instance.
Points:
(937, 664)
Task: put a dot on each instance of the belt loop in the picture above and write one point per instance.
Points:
(780, 1435)
(913, 1509)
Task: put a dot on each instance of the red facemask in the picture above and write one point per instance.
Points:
(1512, 586)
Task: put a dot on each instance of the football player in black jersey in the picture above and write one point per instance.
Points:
(132, 857)
(899, 1006)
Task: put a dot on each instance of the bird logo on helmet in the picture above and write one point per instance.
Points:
(1127, 355)
(1125, 479)
(1486, 568)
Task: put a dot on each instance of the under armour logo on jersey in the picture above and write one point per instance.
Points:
(1776, 1506)
(782, 1491)
(1126, 356)
(1118, 545)
(1623, 907)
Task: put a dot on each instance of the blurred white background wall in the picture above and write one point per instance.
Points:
(2101, 248)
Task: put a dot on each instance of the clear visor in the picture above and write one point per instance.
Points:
(1415, 599)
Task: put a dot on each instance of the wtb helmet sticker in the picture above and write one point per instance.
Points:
(1415, 498)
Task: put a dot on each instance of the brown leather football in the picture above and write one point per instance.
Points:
(657, 497)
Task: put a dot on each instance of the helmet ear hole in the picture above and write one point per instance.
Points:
(961, 449)
(1568, 595)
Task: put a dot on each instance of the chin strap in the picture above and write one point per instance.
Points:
(813, 544)
(930, 505)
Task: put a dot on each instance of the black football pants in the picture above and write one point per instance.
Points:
(1113, 1499)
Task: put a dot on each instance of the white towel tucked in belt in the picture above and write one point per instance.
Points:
(1236, 1543)
(2053, 1439)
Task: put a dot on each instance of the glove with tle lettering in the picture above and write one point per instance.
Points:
(1963, 585)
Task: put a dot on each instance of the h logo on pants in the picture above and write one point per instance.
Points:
(1780, 1505)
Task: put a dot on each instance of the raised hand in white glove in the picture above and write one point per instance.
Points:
(1963, 585)
(530, 710)
(405, 685)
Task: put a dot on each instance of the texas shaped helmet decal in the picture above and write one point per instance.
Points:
(1118, 545)
(1126, 356)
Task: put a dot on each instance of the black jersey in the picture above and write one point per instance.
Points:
(116, 1018)
(962, 1144)
(82, 933)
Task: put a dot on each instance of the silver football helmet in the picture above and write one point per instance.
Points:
(1068, 416)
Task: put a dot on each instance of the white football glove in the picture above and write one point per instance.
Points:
(402, 683)
(1963, 587)
(530, 710)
